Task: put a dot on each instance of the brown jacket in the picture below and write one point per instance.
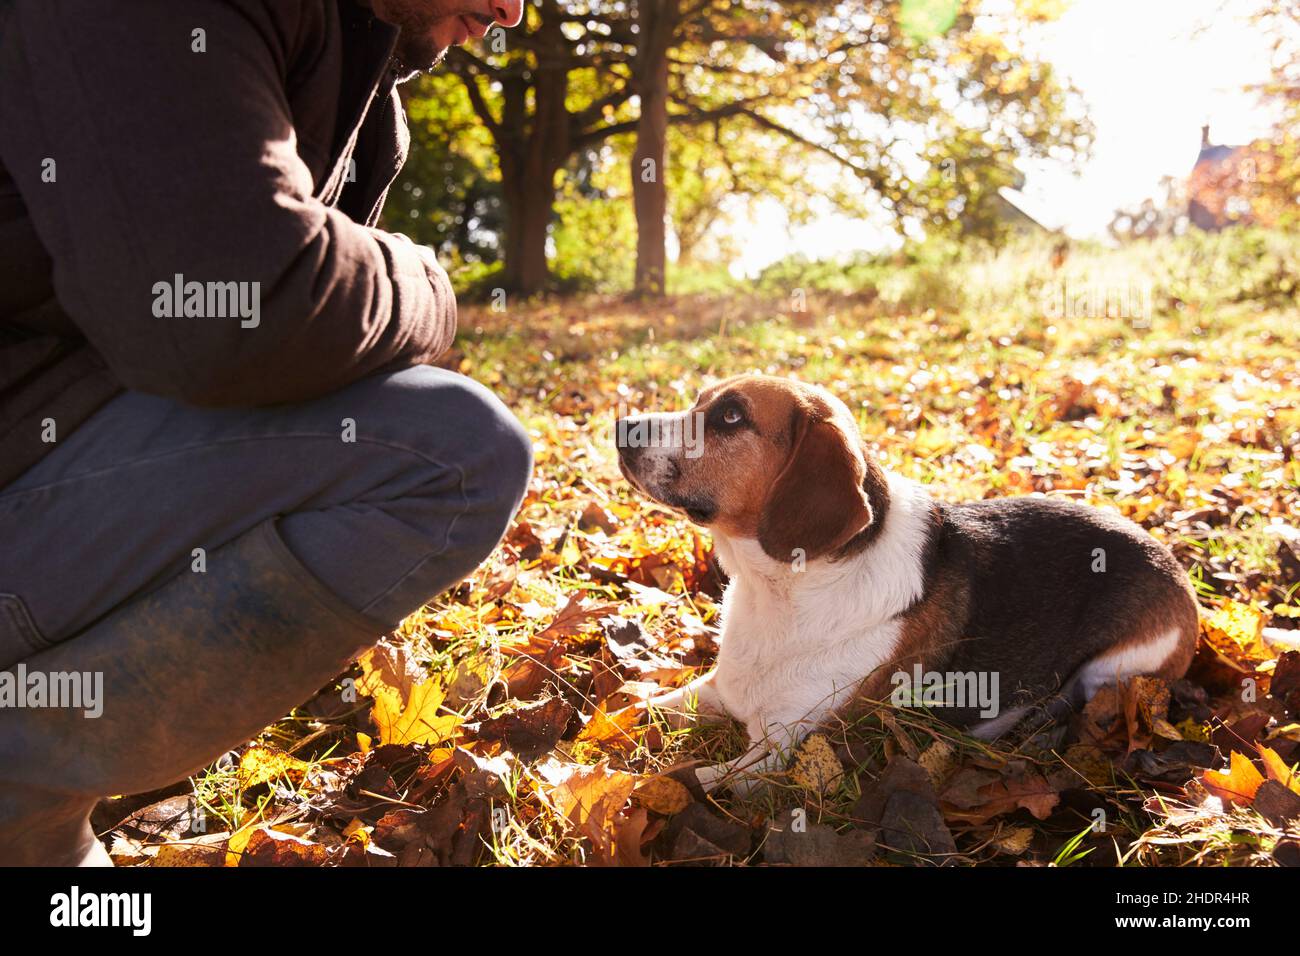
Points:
(223, 141)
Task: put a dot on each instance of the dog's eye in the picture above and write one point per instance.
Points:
(732, 415)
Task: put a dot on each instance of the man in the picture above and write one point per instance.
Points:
(226, 467)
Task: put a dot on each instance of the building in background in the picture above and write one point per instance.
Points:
(1222, 184)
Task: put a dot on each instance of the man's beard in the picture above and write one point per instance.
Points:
(415, 54)
(417, 51)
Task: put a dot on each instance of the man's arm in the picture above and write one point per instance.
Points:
(172, 162)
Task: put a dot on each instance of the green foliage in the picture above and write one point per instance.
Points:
(1235, 265)
(1196, 270)
(595, 242)
(448, 195)
(919, 276)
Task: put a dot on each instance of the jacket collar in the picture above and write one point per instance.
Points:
(368, 46)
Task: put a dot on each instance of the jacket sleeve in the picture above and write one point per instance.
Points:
(141, 160)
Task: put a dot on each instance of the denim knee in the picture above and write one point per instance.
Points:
(498, 472)
(477, 463)
(460, 424)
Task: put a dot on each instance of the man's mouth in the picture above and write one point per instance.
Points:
(475, 26)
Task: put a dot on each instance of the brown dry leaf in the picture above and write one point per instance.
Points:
(1152, 695)
(612, 730)
(528, 732)
(573, 619)
(662, 794)
(819, 845)
(816, 768)
(590, 797)
(1014, 841)
(1237, 784)
(267, 847)
(527, 676)
(978, 801)
(631, 831)
(1103, 717)
(1090, 763)
(206, 850)
(594, 517)
(1146, 706)
(938, 760)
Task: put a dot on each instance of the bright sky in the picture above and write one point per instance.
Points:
(1150, 79)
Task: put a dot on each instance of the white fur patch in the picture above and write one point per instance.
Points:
(1125, 662)
(797, 644)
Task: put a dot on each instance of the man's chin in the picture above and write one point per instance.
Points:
(416, 58)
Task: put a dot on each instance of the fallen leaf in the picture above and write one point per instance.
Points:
(816, 768)
(1014, 841)
(818, 845)
(261, 765)
(1276, 769)
(528, 732)
(1237, 784)
(662, 794)
(590, 797)
(416, 721)
(979, 799)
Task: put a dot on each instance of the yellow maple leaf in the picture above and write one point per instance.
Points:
(416, 722)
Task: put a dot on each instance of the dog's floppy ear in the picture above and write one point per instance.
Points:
(817, 502)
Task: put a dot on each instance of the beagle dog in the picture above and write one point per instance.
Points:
(847, 582)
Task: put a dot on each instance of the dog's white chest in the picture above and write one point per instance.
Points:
(796, 644)
(783, 662)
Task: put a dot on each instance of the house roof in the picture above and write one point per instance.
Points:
(1215, 154)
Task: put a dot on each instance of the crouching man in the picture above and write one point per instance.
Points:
(226, 467)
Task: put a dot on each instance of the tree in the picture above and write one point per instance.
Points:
(1276, 196)
(657, 24)
(924, 118)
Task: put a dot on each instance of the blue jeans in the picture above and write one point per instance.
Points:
(388, 491)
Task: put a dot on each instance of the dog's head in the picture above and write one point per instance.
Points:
(757, 457)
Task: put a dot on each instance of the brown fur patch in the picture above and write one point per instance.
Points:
(795, 477)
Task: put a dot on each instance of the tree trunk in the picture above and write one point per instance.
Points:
(536, 146)
(528, 217)
(656, 20)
